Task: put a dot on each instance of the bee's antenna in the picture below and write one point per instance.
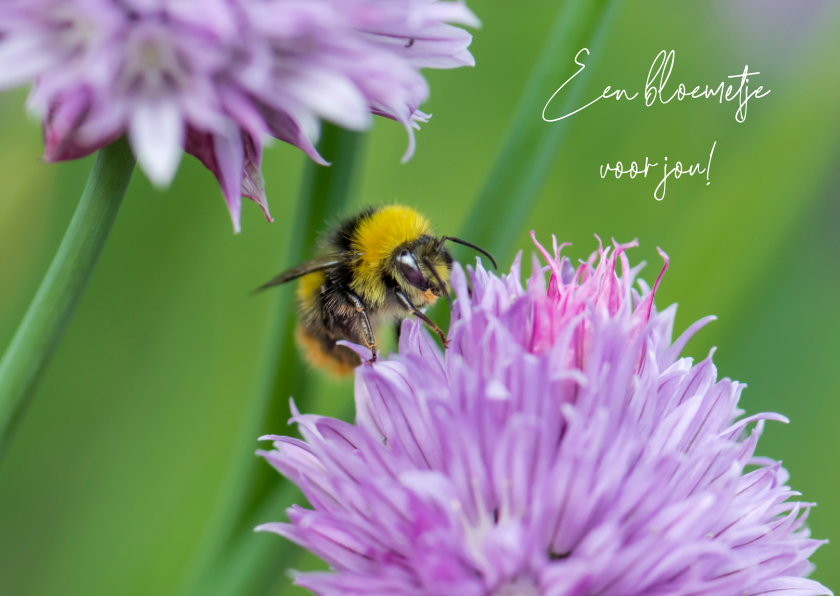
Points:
(441, 283)
(473, 246)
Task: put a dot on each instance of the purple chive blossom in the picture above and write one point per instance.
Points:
(559, 447)
(217, 78)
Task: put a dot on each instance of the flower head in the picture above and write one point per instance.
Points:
(559, 447)
(217, 77)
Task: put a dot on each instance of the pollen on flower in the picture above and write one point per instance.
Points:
(560, 445)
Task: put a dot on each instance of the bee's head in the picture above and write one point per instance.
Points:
(422, 268)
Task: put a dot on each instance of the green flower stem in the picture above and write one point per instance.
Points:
(510, 194)
(43, 326)
(324, 194)
(251, 482)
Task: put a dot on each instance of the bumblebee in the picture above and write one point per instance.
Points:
(382, 264)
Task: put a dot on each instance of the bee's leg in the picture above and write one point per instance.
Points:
(364, 321)
(406, 303)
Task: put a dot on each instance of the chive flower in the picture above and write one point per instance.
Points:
(217, 78)
(560, 446)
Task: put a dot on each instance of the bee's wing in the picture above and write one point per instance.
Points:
(305, 268)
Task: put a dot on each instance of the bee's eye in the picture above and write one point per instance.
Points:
(410, 270)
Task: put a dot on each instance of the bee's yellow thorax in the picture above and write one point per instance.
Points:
(375, 239)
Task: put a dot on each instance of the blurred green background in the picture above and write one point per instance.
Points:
(117, 468)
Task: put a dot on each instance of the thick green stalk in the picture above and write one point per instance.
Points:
(324, 194)
(43, 326)
(502, 209)
(251, 482)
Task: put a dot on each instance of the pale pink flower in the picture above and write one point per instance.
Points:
(560, 446)
(218, 77)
